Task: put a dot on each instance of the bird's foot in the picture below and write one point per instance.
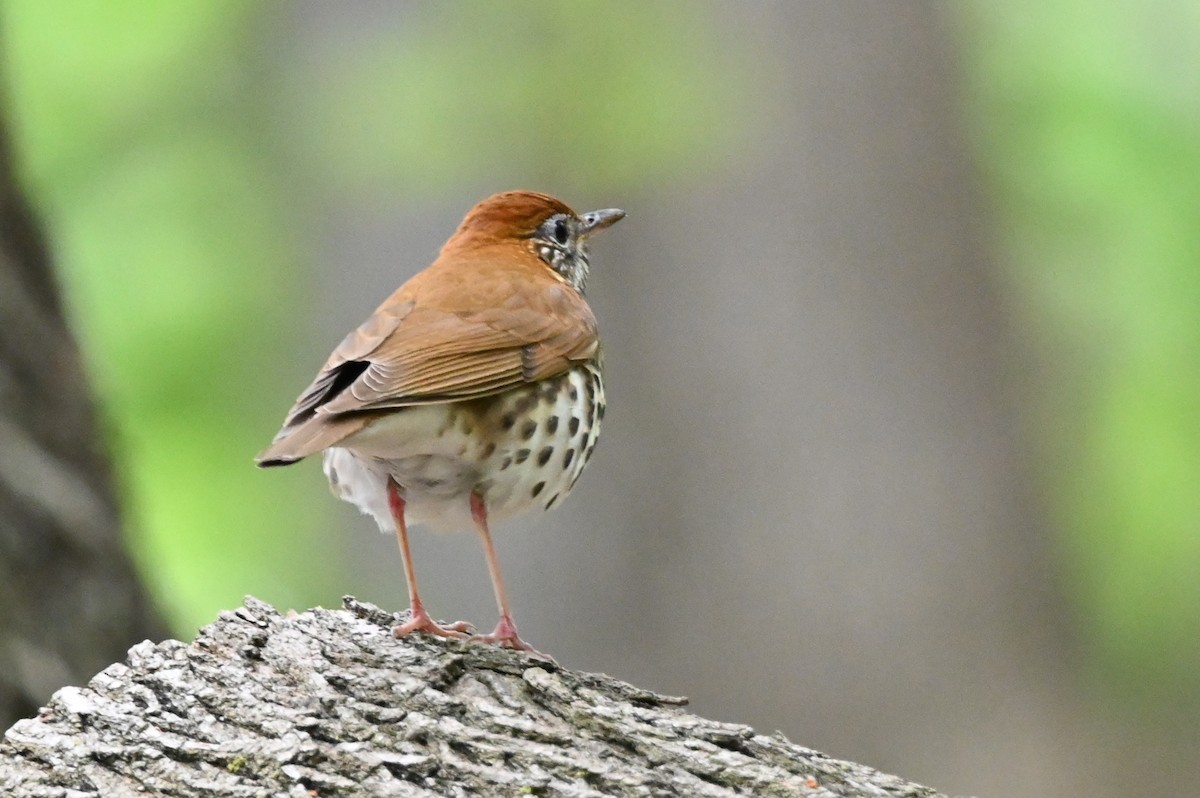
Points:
(419, 621)
(505, 635)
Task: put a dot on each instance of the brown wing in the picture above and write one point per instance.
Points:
(456, 331)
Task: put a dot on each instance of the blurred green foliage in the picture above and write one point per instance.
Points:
(1087, 123)
(164, 156)
(165, 221)
(636, 94)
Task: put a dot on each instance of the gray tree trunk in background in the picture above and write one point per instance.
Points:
(812, 507)
(837, 479)
(70, 601)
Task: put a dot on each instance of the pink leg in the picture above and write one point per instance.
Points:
(419, 620)
(505, 633)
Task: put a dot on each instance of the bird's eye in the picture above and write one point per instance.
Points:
(561, 233)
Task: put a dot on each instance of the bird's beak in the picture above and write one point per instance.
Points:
(598, 220)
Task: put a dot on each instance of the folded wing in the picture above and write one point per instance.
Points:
(431, 343)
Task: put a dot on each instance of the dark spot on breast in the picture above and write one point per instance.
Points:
(567, 458)
(525, 403)
(488, 450)
(600, 411)
(538, 488)
(507, 462)
(552, 424)
(550, 503)
(527, 429)
(508, 421)
(521, 456)
(573, 394)
(573, 426)
(545, 454)
(588, 454)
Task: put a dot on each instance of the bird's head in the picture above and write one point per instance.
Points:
(545, 226)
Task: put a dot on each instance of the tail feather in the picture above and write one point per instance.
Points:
(293, 444)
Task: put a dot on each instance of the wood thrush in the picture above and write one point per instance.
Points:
(473, 393)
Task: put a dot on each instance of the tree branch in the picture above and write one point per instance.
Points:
(328, 703)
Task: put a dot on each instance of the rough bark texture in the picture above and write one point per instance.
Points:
(70, 600)
(328, 703)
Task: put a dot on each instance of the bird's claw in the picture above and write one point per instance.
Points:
(505, 635)
(421, 622)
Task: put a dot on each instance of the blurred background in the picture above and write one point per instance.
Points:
(903, 434)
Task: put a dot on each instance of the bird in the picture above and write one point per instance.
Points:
(472, 394)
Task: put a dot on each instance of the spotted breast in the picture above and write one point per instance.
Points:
(472, 393)
(519, 450)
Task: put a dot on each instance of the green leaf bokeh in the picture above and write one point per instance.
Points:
(1087, 124)
(165, 220)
